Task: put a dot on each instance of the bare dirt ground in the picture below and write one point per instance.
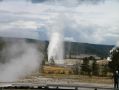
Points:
(76, 78)
(69, 80)
(83, 82)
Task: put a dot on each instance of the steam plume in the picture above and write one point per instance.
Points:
(117, 44)
(21, 59)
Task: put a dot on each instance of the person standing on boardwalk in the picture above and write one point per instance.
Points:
(116, 76)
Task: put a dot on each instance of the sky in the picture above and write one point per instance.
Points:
(88, 21)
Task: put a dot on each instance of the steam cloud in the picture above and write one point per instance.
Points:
(113, 49)
(21, 59)
(117, 44)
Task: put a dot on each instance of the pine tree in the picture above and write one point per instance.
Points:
(114, 55)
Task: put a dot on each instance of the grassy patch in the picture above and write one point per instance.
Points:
(81, 78)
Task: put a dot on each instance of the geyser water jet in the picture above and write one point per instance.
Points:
(56, 42)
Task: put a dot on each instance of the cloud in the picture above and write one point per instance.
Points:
(23, 29)
(92, 22)
(19, 24)
(69, 3)
(69, 39)
(20, 34)
(24, 25)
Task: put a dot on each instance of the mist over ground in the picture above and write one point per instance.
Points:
(20, 58)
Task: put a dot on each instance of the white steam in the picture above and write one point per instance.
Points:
(117, 44)
(22, 59)
(112, 50)
(56, 42)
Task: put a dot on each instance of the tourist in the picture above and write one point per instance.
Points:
(116, 76)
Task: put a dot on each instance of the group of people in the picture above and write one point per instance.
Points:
(116, 79)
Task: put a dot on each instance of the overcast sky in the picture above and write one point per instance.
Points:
(89, 21)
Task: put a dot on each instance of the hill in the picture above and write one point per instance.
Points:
(71, 48)
(77, 48)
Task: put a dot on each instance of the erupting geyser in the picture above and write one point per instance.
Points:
(55, 49)
(56, 42)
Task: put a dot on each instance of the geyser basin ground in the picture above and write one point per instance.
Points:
(50, 82)
(59, 62)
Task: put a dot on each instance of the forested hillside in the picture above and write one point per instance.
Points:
(70, 48)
